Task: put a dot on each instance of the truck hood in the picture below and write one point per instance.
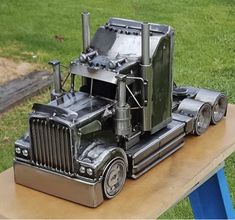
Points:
(78, 108)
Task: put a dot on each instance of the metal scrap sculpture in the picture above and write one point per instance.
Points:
(127, 116)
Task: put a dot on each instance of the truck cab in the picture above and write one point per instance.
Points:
(126, 117)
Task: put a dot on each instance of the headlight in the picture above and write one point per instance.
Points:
(82, 169)
(86, 171)
(18, 150)
(22, 150)
(25, 153)
(89, 171)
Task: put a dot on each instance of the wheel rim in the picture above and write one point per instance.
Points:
(219, 109)
(203, 119)
(114, 178)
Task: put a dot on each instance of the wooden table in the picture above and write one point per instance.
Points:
(149, 196)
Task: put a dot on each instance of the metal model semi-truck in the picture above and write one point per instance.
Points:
(127, 116)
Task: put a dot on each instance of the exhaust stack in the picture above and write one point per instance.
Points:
(145, 60)
(147, 76)
(85, 30)
(57, 77)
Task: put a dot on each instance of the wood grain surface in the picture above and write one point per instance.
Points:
(18, 89)
(146, 197)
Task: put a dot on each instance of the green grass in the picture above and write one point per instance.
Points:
(204, 50)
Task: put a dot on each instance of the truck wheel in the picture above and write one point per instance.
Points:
(203, 119)
(200, 111)
(219, 109)
(114, 178)
(217, 100)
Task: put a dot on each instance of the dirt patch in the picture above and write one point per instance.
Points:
(10, 69)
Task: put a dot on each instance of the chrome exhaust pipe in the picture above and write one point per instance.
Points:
(57, 76)
(86, 30)
(145, 48)
(146, 72)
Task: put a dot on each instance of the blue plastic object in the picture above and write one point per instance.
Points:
(212, 199)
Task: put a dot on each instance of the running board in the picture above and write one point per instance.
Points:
(144, 156)
(144, 166)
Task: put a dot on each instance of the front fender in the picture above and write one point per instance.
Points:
(99, 155)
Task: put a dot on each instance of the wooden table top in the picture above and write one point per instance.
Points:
(147, 197)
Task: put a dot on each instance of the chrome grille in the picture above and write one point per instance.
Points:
(51, 147)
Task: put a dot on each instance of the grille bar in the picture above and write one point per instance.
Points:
(51, 146)
(62, 148)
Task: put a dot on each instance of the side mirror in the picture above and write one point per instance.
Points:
(91, 127)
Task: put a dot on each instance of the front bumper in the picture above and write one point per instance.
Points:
(75, 190)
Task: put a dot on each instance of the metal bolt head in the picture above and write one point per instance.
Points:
(18, 150)
(25, 153)
(82, 58)
(112, 65)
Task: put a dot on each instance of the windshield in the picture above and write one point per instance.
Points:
(99, 88)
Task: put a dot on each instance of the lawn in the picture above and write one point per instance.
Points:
(204, 50)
